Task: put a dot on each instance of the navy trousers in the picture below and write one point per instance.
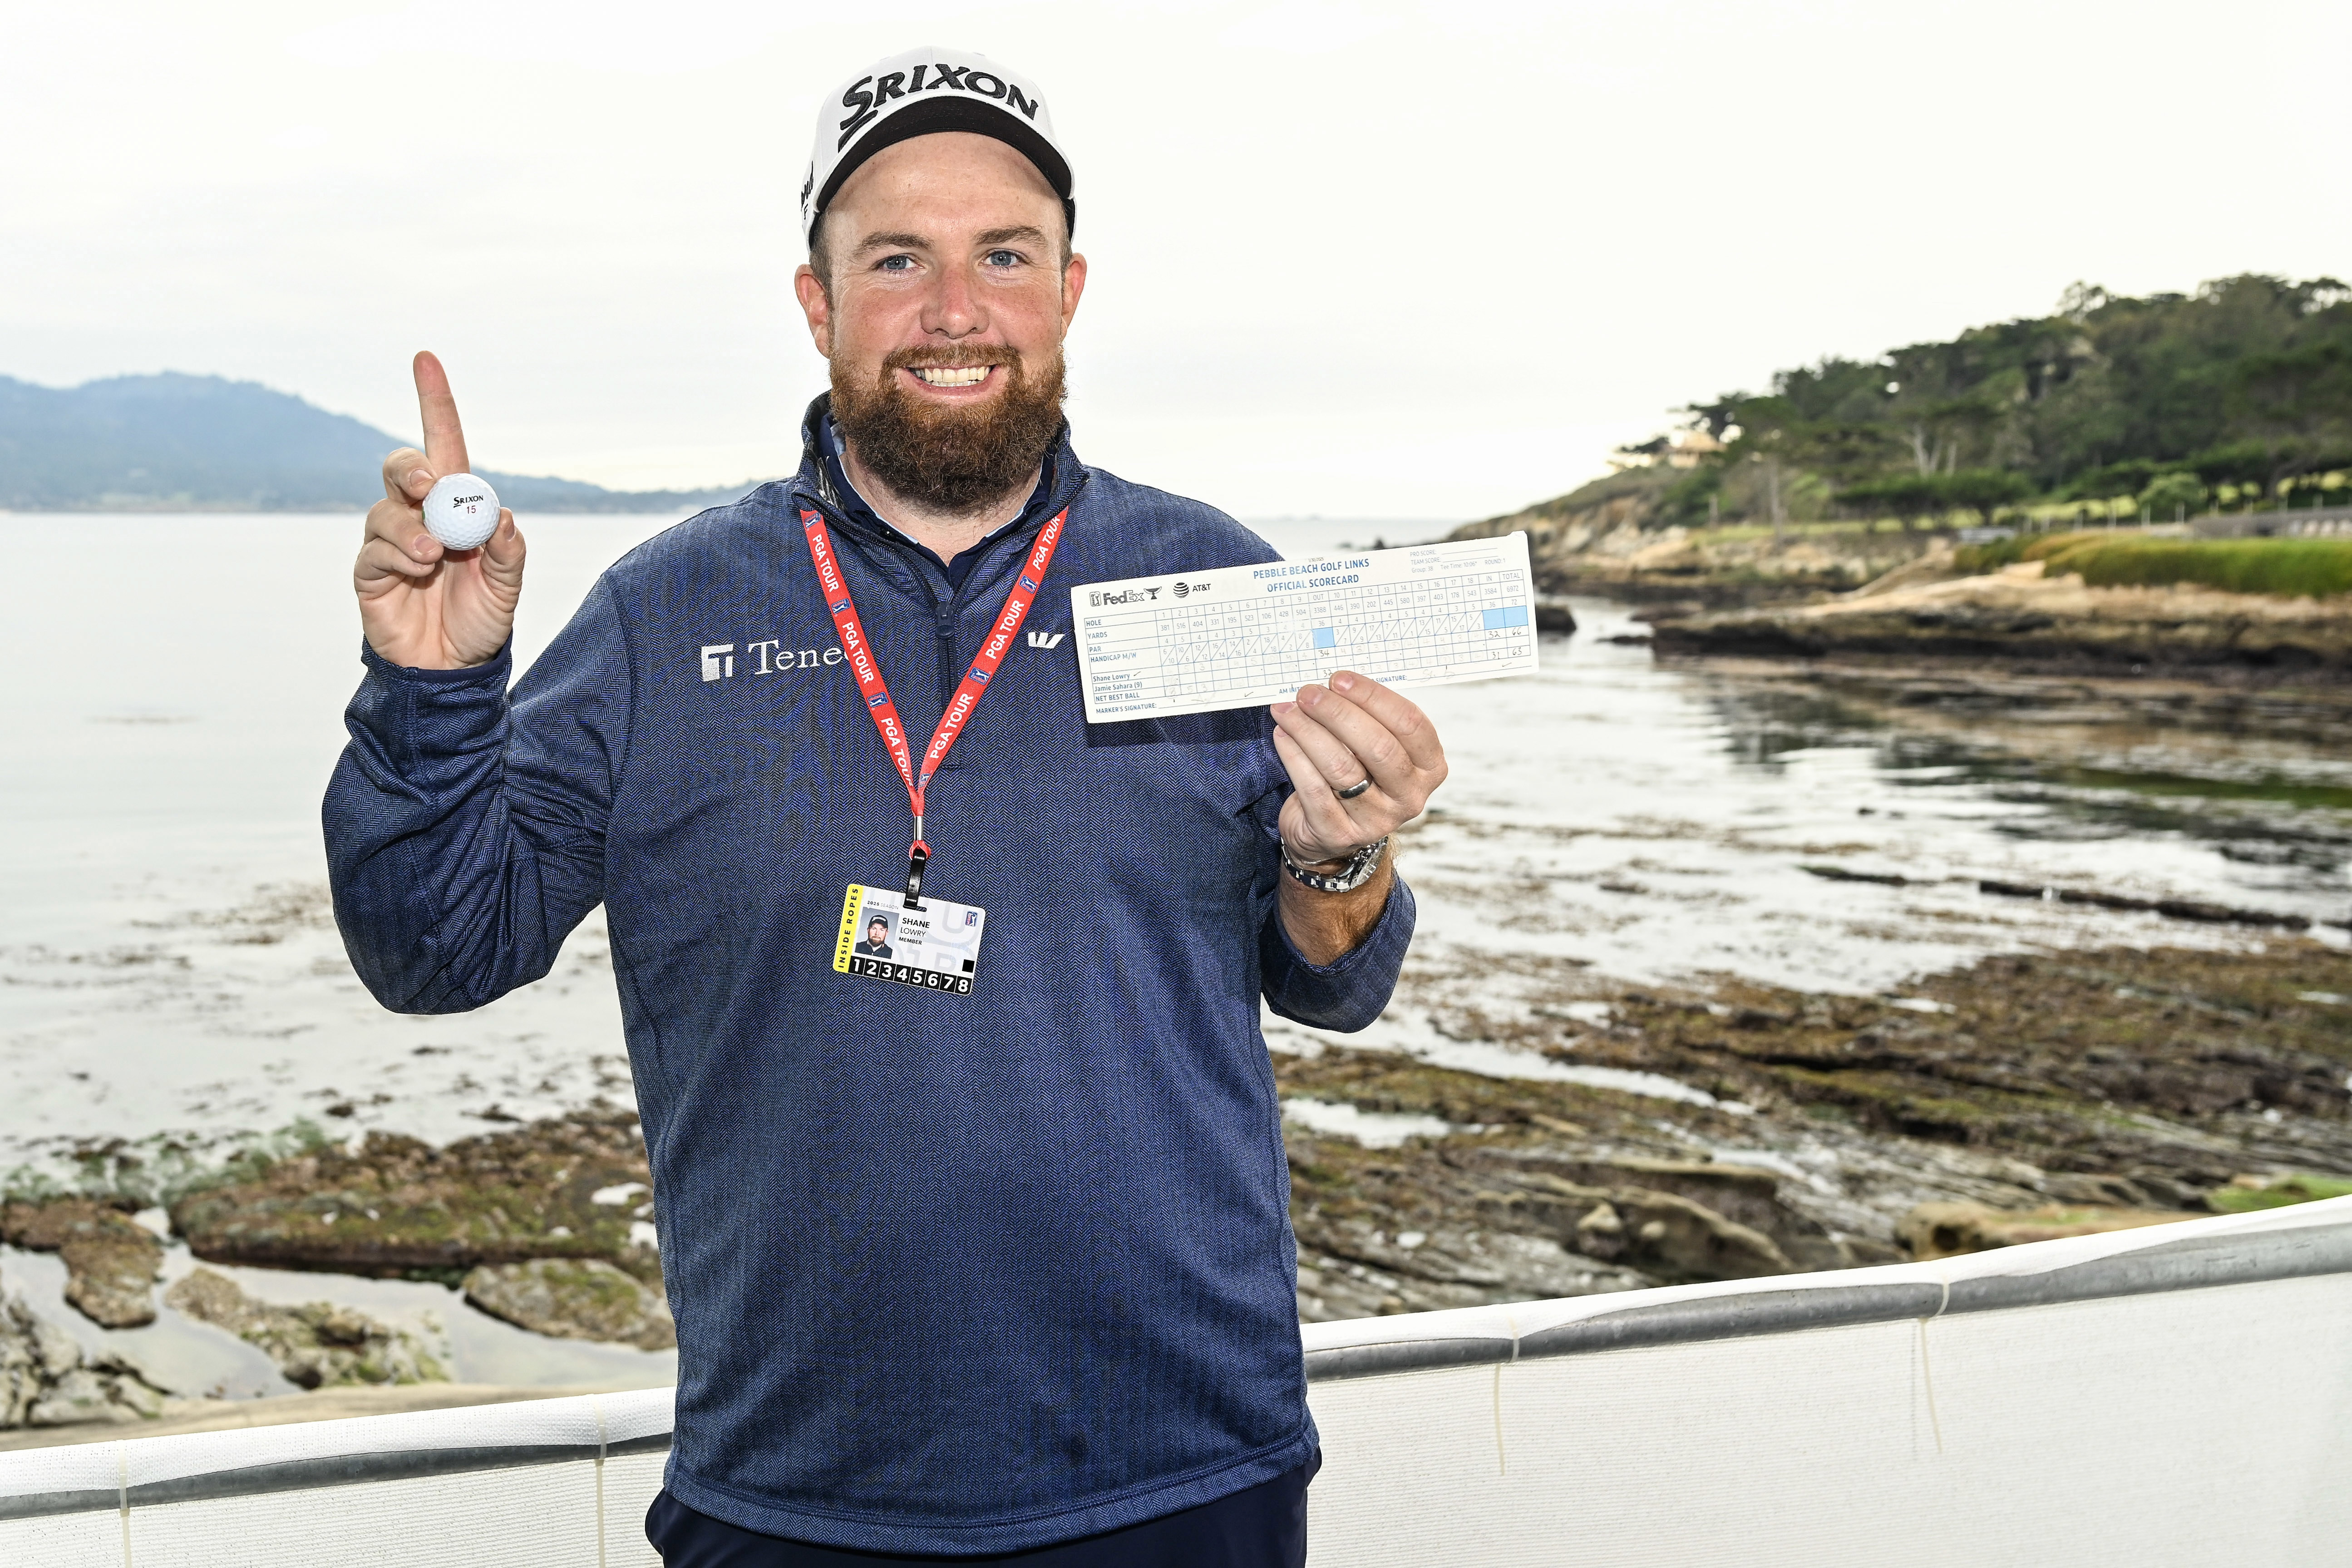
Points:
(1262, 1527)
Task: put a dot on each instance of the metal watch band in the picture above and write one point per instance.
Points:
(1355, 874)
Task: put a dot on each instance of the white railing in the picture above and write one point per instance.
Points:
(2175, 1395)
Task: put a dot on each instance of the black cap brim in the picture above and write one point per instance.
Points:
(946, 113)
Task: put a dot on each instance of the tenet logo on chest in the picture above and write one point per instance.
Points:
(775, 658)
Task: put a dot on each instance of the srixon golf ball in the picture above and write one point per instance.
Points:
(461, 510)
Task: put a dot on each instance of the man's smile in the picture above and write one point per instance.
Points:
(946, 375)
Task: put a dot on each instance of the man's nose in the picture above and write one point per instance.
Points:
(954, 308)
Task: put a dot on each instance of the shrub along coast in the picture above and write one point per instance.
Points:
(2238, 396)
(2094, 453)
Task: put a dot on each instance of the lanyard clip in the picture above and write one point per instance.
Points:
(916, 858)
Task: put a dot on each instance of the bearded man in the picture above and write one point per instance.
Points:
(993, 1261)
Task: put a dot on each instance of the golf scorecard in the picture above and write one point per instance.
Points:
(1194, 642)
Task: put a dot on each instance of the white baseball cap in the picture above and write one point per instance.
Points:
(917, 93)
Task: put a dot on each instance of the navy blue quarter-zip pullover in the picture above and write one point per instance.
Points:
(951, 1274)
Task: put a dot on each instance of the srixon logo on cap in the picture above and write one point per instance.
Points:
(864, 106)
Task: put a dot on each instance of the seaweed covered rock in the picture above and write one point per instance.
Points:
(112, 1260)
(573, 1186)
(2018, 1097)
(319, 1344)
(574, 1299)
(46, 1379)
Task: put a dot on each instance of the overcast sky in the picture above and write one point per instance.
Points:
(1355, 258)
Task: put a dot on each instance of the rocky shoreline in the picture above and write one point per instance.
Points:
(2025, 620)
(2017, 1097)
(1864, 593)
(547, 1227)
(1682, 571)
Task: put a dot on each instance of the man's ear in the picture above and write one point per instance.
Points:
(817, 306)
(1074, 283)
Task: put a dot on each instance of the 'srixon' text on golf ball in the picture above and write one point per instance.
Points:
(461, 510)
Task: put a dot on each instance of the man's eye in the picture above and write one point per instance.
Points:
(898, 263)
(1004, 259)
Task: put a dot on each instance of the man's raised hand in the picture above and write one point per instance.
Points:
(421, 604)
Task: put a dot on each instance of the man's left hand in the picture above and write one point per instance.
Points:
(1337, 736)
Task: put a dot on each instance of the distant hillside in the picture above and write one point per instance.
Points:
(2237, 396)
(197, 443)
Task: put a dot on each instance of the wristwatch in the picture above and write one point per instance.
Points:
(1353, 874)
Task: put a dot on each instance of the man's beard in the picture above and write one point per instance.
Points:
(951, 459)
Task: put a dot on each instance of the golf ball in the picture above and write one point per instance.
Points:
(461, 510)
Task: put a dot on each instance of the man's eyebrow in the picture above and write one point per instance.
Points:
(1027, 231)
(885, 241)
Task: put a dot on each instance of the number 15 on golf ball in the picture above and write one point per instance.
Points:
(461, 510)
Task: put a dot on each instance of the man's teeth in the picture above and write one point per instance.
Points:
(953, 375)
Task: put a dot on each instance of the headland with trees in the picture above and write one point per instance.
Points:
(2206, 437)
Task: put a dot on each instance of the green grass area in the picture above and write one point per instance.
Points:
(2278, 1193)
(2293, 567)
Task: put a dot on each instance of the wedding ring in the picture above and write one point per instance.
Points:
(1353, 790)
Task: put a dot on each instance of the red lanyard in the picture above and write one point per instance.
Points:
(967, 693)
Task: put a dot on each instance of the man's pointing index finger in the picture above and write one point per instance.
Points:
(445, 439)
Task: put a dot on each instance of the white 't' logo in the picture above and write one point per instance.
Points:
(1042, 640)
(714, 667)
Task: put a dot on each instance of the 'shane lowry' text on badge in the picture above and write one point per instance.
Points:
(935, 946)
(1240, 635)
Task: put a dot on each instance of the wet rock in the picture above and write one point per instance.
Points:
(47, 1380)
(319, 1344)
(1946, 1230)
(1350, 1268)
(574, 1299)
(1665, 1235)
(112, 1260)
(2175, 909)
(2118, 1062)
(1601, 1233)
(2100, 1190)
(2117, 1081)
(2019, 616)
(574, 1186)
(1743, 1194)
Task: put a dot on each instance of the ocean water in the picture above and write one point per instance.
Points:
(169, 969)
